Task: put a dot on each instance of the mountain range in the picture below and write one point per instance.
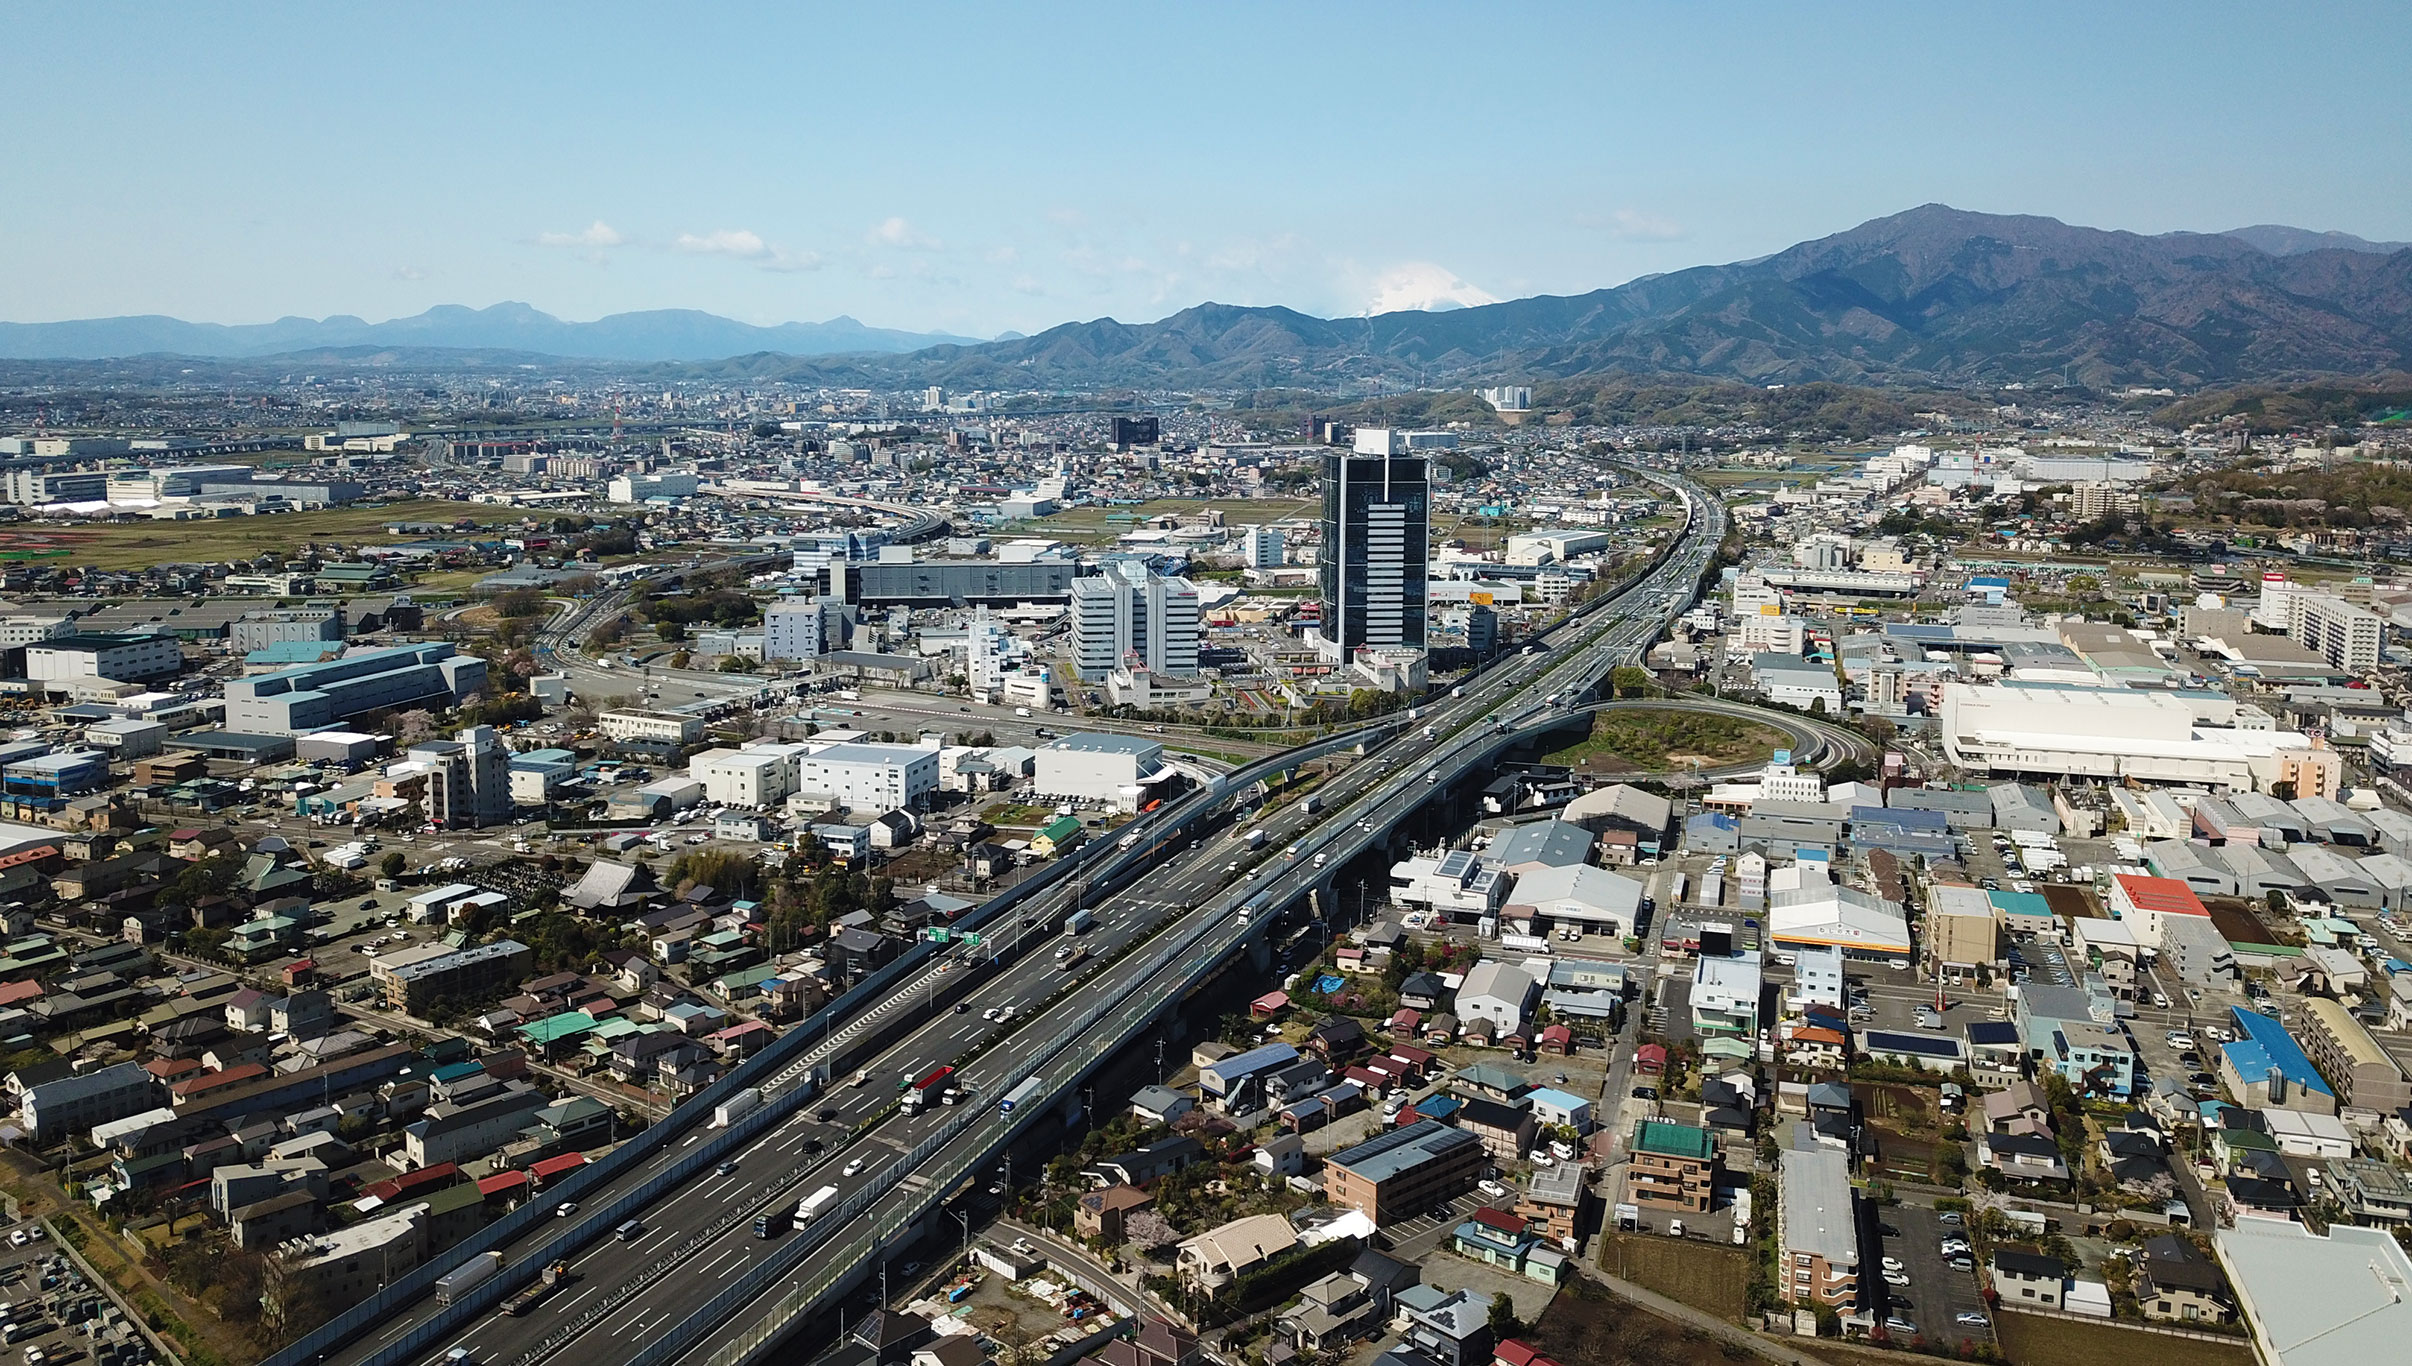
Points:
(669, 334)
(1935, 295)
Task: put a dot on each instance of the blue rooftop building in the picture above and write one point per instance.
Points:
(2265, 1067)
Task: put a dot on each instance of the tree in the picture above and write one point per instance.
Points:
(1504, 1323)
(392, 864)
(1148, 1230)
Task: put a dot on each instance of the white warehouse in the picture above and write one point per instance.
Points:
(2069, 730)
(1093, 767)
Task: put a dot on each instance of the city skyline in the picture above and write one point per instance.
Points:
(1026, 168)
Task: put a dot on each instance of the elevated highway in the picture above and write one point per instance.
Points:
(1173, 902)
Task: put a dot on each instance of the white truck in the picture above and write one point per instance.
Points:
(810, 1207)
(736, 1107)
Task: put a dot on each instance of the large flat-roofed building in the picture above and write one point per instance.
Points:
(87, 656)
(1098, 767)
(314, 696)
(2340, 1300)
(2014, 727)
(2362, 1072)
(756, 776)
(869, 777)
(1405, 1172)
(942, 583)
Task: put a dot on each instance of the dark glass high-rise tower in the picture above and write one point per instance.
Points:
(1377, 524)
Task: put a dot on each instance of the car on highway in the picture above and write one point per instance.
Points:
(962, 1007)
(855, 1167)
(989, 1014)
(565, 1209)
(726, 1167)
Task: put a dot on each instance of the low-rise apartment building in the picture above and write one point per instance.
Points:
(1406, 1171)
(1673, 1166)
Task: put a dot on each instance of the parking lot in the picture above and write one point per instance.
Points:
(1937, 1291)
(1410, 1239)
(52, 1316)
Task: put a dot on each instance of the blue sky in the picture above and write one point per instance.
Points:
(981, 167)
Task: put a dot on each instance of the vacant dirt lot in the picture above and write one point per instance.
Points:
(1702, 1274)
(2042, 1340)
(1586, 1324)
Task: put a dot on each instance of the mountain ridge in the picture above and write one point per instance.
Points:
(1933, 295)
(666, 334)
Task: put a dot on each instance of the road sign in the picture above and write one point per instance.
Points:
(971, 939)
(937, 936)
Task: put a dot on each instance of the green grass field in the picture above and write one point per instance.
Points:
(138, 545)
(1655, 741)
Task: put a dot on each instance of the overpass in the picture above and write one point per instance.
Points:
(1172, 906)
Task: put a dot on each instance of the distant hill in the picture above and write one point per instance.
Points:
(659, 335)
(2279, 240)
(1934, 296)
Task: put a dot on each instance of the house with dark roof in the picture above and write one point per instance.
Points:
(2028, 1279)
(2176, 1283)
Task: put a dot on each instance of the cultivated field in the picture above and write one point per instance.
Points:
(139, 545)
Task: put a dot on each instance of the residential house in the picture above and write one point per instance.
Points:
(2028, 1278)
(2177, 1283)
(1221, 1255)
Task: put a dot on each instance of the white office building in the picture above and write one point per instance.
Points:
(1131, 615)
(756, 776)
(650, 727)
(865, 777)
(794, 628)
(987, 650)
(1265, 548)
(639, 488)
(62, 661)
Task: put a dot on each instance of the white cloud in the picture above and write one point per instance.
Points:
(735, 242)
(1633, 225)
(1422, 285)
(597, 234)
(896, 232)
(1003, 256)
(746, 245)
(409, 273)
